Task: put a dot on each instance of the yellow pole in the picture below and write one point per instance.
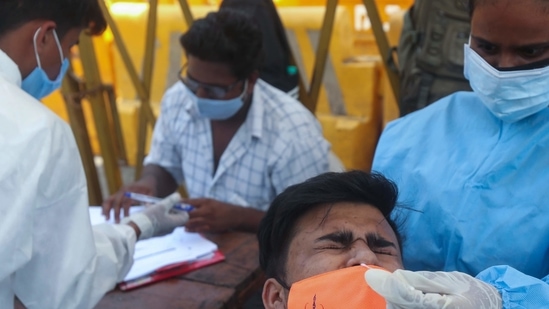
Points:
(124, 54)
(117, 126)
(383, 45)
(148, 66)
(99, 110)
(70, 88)
(187, 14)
(321, 54)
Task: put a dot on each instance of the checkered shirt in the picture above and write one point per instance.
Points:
(279, 144)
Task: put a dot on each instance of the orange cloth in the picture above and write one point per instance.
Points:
(343, 288)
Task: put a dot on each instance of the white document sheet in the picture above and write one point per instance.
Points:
(151, 254)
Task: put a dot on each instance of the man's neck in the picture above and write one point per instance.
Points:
(238, 118)
(223, 131)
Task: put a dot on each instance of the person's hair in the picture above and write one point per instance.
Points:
(229, 37)
(67, 15)
(277, 228)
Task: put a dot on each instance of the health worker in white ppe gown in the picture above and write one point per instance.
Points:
(474, 169)
(50, 256)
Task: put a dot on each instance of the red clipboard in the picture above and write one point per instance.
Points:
(171, 271)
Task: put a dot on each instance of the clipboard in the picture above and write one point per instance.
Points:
(172, 270)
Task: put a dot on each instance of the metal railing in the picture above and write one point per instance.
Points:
(102, 97)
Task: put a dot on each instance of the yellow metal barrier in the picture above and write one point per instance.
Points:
(131, 19)
(104, 52)
(350, 107)
(169, 57)
(390, 109)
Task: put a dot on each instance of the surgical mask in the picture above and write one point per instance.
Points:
(510, 95)
(220, 109)
(343, 288)
(38, 84)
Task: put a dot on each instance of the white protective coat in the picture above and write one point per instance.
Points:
(50, 256)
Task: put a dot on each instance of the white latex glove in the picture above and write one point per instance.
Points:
(405, 289)
(159, 219)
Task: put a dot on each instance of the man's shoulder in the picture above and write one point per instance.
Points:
(176, 100)
(175, 89)
(25, 112)
(282, 109)
(31, 130)
(176, 94)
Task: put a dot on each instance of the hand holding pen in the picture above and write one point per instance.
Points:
(118, 202)
(153, 200)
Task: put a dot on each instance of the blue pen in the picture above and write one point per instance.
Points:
(183, 207)
(142, 197)
(151, 199)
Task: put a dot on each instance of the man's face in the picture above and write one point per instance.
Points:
(346, 234)
(211, 75)
(509, 33)
(331, 237)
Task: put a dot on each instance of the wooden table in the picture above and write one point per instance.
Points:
(224, 285)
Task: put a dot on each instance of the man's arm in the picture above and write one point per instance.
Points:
(211, 215)
(162, 167)
(155, 176)
(494, 288)
(67, 264)
(57, 259)
(156, 181)
(84, 263)
(406, 289)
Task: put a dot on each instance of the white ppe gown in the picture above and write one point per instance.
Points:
(50, 256)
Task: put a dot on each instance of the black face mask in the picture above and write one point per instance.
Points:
(530, 66)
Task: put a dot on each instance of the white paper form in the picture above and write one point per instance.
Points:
(154, 253)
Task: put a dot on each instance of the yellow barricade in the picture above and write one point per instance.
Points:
(349, 103)
(104, 51)
(131, 19)
(390, 107)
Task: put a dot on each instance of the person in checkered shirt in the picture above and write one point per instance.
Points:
(231, 139)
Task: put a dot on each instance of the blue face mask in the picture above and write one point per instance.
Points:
(220, 109)
(509, 95)
(37, 83)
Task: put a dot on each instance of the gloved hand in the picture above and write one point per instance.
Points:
(119, 203)
(405, 289)
(159, 219)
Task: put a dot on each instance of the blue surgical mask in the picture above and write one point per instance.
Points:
(37, 83)
(220, 109)
(509, 95)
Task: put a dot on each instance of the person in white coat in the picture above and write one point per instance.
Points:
(51, 257)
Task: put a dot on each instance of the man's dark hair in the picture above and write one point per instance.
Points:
(229, 37)
(277, 228)
(67, 14)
